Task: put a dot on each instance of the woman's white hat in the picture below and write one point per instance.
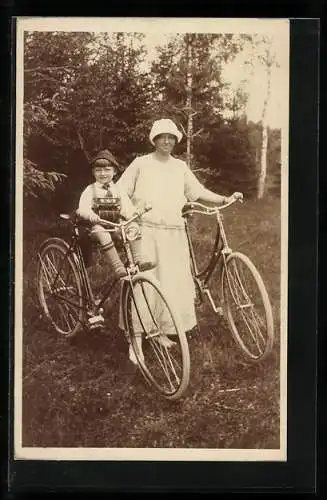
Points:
(164, 126)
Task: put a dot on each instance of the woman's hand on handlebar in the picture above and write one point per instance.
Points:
(234, 197)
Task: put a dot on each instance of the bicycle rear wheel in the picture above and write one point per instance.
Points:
(149, 321)
(247, 307)
(59, 287)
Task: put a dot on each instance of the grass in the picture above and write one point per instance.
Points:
(78, 393)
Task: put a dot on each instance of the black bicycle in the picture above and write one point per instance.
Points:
(242, 296)
(69, 303)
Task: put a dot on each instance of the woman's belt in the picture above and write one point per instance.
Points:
(158, 225)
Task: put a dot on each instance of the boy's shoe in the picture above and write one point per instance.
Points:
(96, 321)
(146, 266)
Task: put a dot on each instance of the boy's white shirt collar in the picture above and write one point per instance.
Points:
(98, 184)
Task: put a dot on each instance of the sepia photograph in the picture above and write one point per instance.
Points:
(151, 239)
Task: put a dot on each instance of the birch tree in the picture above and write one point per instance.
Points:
(188, 77)
(268, 61)
(262, 56)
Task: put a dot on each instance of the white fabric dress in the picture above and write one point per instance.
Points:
(166, 186)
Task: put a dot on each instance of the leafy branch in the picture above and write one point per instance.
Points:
(37, 182)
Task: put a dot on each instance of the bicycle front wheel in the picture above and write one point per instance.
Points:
(59, 287)
(158, 341)
(247, 307)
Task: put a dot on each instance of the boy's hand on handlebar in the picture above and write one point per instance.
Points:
(139, 211)
(94, 218)
(142, 208)
(91, 217)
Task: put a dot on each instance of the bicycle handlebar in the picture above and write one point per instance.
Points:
(196, 207)
(117, 225)
(190, 207)
(74, 217)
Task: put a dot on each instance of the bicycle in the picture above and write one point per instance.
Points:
(69, 303)
(240, 305)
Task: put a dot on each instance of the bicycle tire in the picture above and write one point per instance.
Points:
(140, 295)
(233, 290)
(68, 299)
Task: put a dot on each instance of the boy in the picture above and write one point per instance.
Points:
(103, 199)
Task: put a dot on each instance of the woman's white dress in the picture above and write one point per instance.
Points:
(166, 186)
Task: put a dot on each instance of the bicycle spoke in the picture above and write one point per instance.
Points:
(252, 318)
(45, 274)
(48, 269)
(241, 307)
(161, 365)
(148, 307)
(70, 311)
(161, 352)
(171, 358)
(59, 288)
(63, 316)
(158, 350)
(248, 307)
(51, 265)
(253, 311)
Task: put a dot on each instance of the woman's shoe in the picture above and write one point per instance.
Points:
(132, 356)
(165, 341)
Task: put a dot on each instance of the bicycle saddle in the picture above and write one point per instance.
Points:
(65, 216)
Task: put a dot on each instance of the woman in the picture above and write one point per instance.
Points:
(166, 183)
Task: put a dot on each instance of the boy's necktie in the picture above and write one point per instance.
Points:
(106, 186)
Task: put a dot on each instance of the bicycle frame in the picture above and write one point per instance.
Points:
(75, 251)
(220, 249)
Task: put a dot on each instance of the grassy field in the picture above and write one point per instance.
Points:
(78, 393)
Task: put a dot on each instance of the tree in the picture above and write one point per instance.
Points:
(83, 92)
(227, 158)
(268, 61)
(273, 181)
(273, 177)
(51, 62)
(263, 56)
(86, 91)
(188, 77)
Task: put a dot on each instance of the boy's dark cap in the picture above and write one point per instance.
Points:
(106, 155)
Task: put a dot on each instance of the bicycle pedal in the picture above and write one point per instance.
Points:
(97, 326)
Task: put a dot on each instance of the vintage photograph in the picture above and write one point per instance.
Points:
(151, 239)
